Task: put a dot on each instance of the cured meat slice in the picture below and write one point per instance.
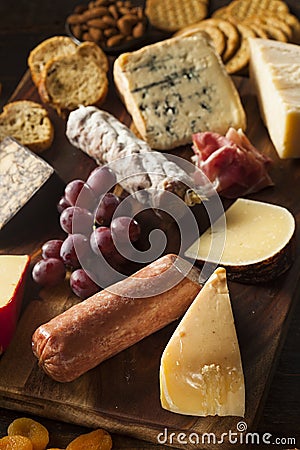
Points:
(232, 164)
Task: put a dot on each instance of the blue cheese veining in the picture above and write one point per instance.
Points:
(176, 88)
(22, 174)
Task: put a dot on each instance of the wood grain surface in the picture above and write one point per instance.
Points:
(128, 401)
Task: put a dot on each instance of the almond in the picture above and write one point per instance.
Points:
(95, 34)
(95, 23)
(115, 40)
(109, 32)
(76, 30)
(138, 30)
(86, 36)
(131, 18)
(113, 11)
(75, 19)
(109, 20)
(94, 13)
(140, 13)
(124, 10)
(124, 26)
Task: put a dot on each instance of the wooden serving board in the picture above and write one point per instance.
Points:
(122, 394)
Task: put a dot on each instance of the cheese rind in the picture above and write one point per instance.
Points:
(22, 174)
(201, 370)
(13, 271)
(275, 74)
(175, 88)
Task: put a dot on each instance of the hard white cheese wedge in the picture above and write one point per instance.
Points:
(258, 241)
(201, 370)
(178, 87)
(275, 73)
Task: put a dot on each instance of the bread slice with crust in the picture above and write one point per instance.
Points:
(29, 123)
(76, 79)
(47, 50)
(91, 50)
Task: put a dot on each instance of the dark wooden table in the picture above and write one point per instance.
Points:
(23, 24)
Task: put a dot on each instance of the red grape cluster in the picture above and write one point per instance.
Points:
(86, 215)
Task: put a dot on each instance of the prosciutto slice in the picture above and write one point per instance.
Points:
(232, 164)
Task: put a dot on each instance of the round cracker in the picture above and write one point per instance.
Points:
(232, 36)
(272, 31)
(172, 15)
(216, 35)
(294, 23)
(278, 22)
(240, 59)
(242, 9)
(257, 28)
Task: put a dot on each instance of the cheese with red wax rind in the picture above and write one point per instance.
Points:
(13, 271)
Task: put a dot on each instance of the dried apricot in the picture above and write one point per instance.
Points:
(31, 429)
(96, 440)
(15, 443)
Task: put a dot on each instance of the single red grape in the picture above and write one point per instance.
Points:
(62, 204)
(102, 180)
(101, 241)
(74, 248)
(82, 285)
(49, 272)
(51, 249)
(72, 191)
(75, 219)
(124, 229)
(107, 206)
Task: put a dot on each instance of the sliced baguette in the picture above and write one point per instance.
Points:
(76, 79)
(47, 50)
(29, 123)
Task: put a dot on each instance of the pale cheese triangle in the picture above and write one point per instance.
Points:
(201, 370)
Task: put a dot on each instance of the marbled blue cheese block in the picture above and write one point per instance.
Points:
(22, 174)
(175, 88)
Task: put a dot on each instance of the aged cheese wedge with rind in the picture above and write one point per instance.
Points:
(201, 370)
(178, 87)
(13, 271)
(259, 241)
(22, 175)
(275, 74)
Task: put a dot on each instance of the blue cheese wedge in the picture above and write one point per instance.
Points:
(178, 87)
(201, 370)
(275, 74)
(22, 174)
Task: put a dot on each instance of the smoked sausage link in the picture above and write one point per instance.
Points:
(115, 318)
